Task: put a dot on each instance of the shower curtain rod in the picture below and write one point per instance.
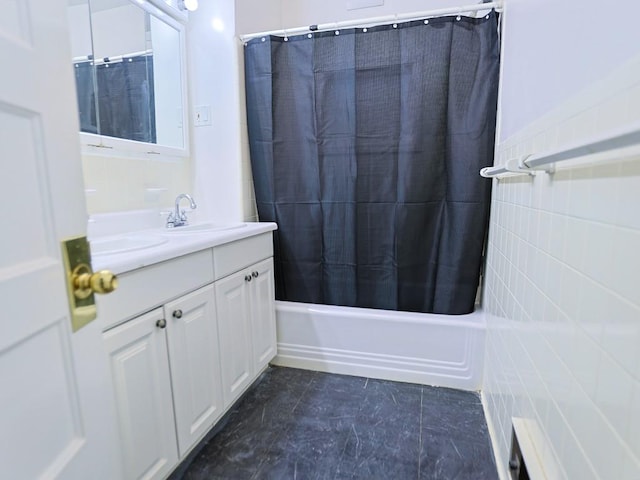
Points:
(367, 22)
(115, 58)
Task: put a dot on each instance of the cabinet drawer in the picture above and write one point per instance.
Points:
(234, 256)
(143, 289)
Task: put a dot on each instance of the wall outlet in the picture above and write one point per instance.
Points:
(202, 115)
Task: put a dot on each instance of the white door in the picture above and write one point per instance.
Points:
(56, 409)
(263, 314)
(140, 367)
(232, 304)
(192, 336)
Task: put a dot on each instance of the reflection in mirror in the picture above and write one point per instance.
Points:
(123, 69)
(167, 85)
(79, 16)
(128, 72)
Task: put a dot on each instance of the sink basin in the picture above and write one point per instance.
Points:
(124, 244)
(203, 228)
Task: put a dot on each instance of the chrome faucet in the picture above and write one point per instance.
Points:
(178, 218)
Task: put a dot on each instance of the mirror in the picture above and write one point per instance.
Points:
(128, 67)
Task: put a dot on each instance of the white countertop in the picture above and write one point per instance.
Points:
(176, 244)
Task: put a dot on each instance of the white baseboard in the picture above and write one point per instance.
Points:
(440, 350)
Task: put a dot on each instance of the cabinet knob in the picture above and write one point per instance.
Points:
(247, 278)
(255, 274)
(161, 323)
(177, 314)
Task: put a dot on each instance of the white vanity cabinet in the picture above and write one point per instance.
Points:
(195, 364)
(194, 360)
(165, 363)
(168, 354)
(263, 316)
(232, 302)
(185, 338)
(246, 312)
(140, 368)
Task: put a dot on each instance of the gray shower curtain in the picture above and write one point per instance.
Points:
(124, 105)
(365, 148)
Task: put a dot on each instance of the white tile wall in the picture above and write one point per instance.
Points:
(114, 184)
(562, 292)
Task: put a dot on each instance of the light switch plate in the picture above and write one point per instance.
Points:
(356, 4)
(202, 115)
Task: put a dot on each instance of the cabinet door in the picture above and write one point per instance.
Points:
(192, 335)
(263, 315)
(232, 303)
(139, 365)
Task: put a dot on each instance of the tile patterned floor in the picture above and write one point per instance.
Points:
(297, 424)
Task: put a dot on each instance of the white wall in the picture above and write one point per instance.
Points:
(264, 15)
(562, 291)
(118, 31)
(553, 49)
(79, 30)
(257, 15)
(214, 81)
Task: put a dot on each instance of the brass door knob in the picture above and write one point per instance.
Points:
(85, 282)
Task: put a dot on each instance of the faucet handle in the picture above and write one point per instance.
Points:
(183, 216)
(171, 220)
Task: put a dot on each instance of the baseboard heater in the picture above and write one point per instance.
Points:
(525, 461)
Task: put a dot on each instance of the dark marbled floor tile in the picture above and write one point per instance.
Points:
(384, 441)
(455, 443)
(276, 397)
(446, 458)
(331, 401)
(298, 424)
(253, 426)
(304, 452)
(454, 412)
(320, 427)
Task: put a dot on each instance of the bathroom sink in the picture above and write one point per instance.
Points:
(124, 244)
(203, 228)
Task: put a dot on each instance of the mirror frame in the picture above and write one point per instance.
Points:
(96, 144)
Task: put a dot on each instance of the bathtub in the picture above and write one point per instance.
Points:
(429, 349)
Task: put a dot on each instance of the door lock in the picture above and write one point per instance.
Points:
(82, 283)
(85, 282)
